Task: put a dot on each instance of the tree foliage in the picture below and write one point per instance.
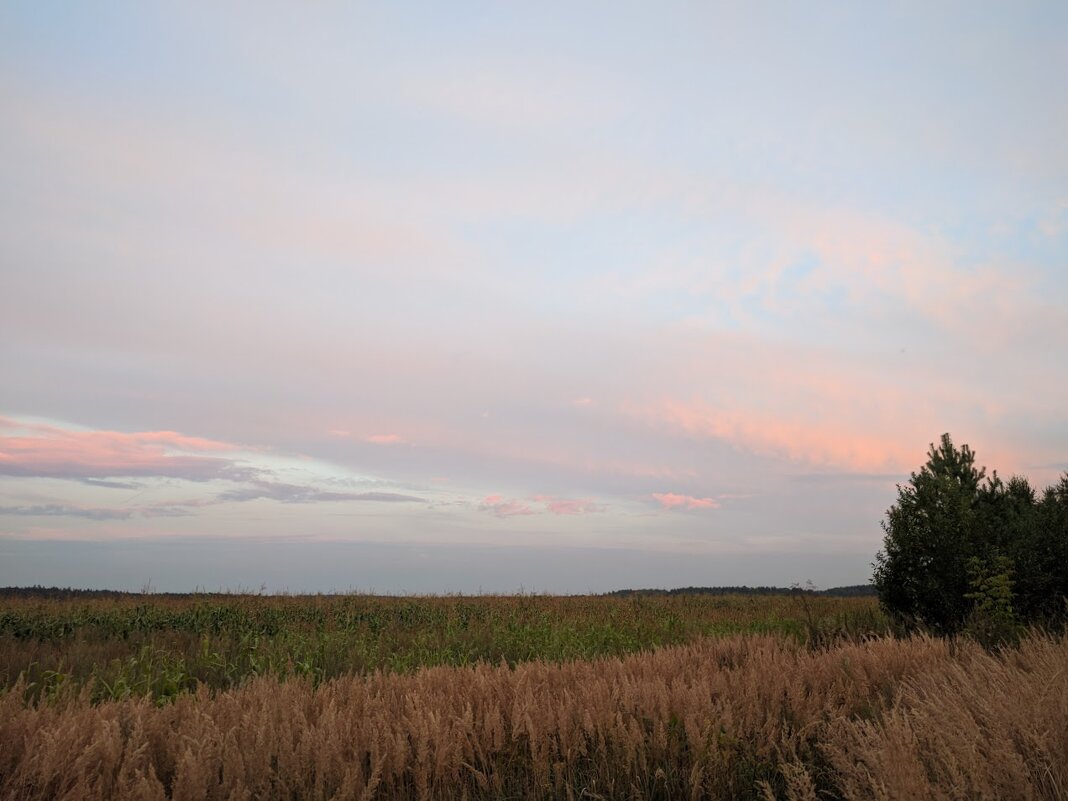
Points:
(963, 548)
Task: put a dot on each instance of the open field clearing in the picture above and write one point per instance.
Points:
(357, 697)
(162, 646)
(749, 716)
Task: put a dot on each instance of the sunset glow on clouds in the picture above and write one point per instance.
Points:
(624, 293)
(505, 508)
(33, 449)
(669, 500)
(511, 507)
(385, 439)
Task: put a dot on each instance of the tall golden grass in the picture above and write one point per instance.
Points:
(743, 717)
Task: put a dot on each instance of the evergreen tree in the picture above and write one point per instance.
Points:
(966, 551)
(1051, 553)
(931, 536)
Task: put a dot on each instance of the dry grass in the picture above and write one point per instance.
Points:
(978, 727)
(743, 717)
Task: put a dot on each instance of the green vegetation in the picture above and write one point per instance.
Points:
(138, 645)
(966, 552)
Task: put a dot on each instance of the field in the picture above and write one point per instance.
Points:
(336, 697)
(163, 645)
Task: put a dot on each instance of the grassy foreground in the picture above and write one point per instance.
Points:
(744, 715)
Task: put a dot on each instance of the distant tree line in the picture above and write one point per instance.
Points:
(967, 552)
(68, 593)
(852, 591)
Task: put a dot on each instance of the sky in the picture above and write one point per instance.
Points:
(548, 297)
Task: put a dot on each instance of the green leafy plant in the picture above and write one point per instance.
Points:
(993, 621)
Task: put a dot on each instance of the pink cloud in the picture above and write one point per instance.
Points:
(671, 500)
(810, 439)
(34, 449)
(511, 507)
(496, 504)
(568, 506)
(386, 439)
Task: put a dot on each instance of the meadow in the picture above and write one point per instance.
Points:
(665, 697)
(161, 646)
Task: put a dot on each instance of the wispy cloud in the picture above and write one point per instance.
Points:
(497, 505)
(283, 493)
(538, 504)
(32, 450)
(386, 439)
(106, 484)
(672, 500)
(47, 451)
(568, 506)
(296, 493)
(95, 512)
(784, 435)
(65, 510)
